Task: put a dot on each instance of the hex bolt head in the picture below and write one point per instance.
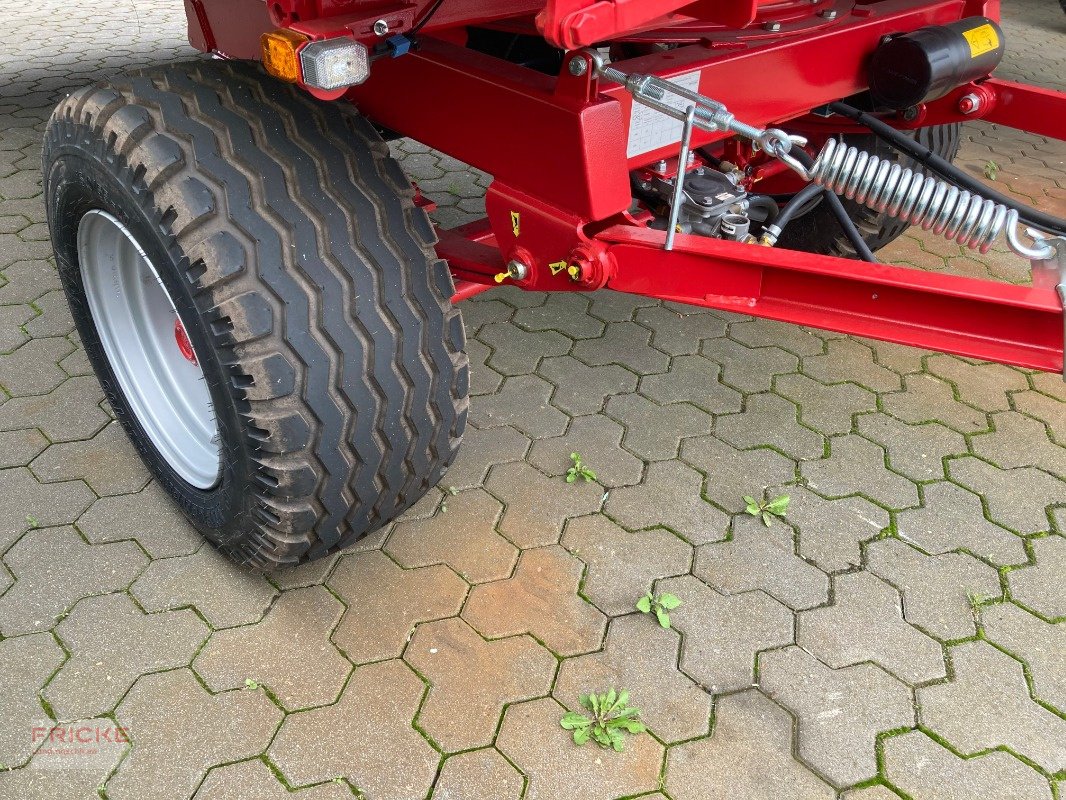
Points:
(578, 66)
(773, 27)
(381, 28)
(969, 103)
(829, 13)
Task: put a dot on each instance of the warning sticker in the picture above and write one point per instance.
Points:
(982, 39)
(516, 223)
(650, 129)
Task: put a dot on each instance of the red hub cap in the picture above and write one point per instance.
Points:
(184, 345)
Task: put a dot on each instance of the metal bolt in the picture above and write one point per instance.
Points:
(773, 27)
(578, 66)
(660, 166)
(969, 103)
(829, 13)
(910, 114)
(381, 28)
(517, 270)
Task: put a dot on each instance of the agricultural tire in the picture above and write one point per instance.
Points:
(310, 306)
(819, 231)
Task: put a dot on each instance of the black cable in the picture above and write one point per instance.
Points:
(947, 170)
(799, 199)
(433, 9)
(764, 203)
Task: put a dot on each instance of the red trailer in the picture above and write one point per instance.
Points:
(273, 316)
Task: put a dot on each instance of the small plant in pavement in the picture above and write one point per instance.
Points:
(579, 470)
(250, 684)
(609, 717)
(991, 170)
(444, 500)
(766, 508)
(661, 605)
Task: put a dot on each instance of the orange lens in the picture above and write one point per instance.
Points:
(280, 54)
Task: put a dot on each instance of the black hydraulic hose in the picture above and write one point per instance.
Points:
(944, 168)
(799, 199)
(849, 228)
(764, 202)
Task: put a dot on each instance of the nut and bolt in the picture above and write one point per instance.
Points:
(910, 114)
(578, 66)
(773, 27)
(381, 28)
(969, 103)
(517, 270)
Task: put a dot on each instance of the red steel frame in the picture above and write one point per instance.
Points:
(556, 148)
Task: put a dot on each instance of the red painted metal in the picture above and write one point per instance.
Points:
(557, 149)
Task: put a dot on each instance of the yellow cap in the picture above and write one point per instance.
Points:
(280, 57)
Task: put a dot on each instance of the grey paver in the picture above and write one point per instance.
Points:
(149, 516)
(253, 780)
(830, 531)
(622, 565)
(840, 712)
(291, 643)
(465, 776)
(53, 568)
(531, 737)
(733, 473)
(1041, 645)
(1016, 498)
(596, 439)
(1039, 586)
(761, 558)
(537, 507)
(111, 643)
(26, 664)
(26, 503)
(865, 623)
(374, 744)
(856, 466)
(926, 771)
(641, 657)
(747, 757)
(987, 705)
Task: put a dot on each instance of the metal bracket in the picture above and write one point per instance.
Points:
(1050, 272)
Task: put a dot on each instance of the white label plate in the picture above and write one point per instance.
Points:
(650, 129)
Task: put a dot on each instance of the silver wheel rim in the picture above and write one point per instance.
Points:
(148, 350)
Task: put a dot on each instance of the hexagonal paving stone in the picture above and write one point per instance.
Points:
(626, 344)
(984, 386)
(865, 623)
(385, 602)
(694, 380)
(937, 590)
(56, 774)
(840, 712)
(371, 741)
(917, 451)
(463, 537)
(680, 332)
(33, 368)
(53, 568)
(747, 757)
(179, 731)
(216, 587)
(1020, 441)
(108, 462)
(828, 409)
(111, 643)
(723, 634)
(536, 507)
(1039, 587)
(516, 351)
(770, 420)
(952, 518)
(929, 399)
(856, 466)
(641, 657)
(18, 448)
(830, 531)
(254, 780)
(26, 664)
(581, 389)
(25, 503)
(748, 369)
(522, 402)
(565, 312)
(1016, 498)
(596, 439)
(987, 704)
(926, 771)
(539, 599)
(846, 360)
(654, 432)
(454, 658)
(1043, 408)
(757, 332)
(1039, 644)
(758, 557)
(733, 473)
(531, 737)
(467, 775)
(671, 495)
(67, 413)
(289, 652)
(481, 450)
(621, 565)
(149, 516)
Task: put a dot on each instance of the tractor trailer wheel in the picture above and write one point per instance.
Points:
(260, 298)
(819, 231)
